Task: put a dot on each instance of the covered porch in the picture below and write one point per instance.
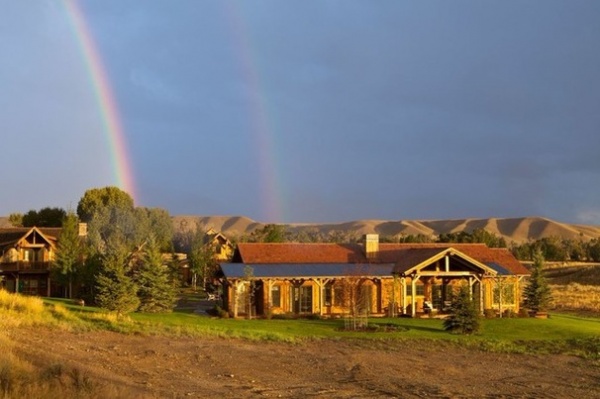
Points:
(323, 289)
(429, 278)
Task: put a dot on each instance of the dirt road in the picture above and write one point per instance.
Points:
(162, 367)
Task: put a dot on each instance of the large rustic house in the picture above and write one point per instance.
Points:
(26, 256)
(372, 278)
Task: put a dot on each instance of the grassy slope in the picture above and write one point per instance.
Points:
(562, 333)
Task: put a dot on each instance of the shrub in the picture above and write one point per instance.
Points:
(489, 313)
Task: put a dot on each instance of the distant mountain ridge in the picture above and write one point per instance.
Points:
(518, 230)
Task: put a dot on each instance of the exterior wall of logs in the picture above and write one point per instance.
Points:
(390, 296)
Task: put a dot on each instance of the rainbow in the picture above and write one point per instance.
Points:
(271, 184)
(105, 98)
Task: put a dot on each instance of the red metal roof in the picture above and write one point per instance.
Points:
(297, 253)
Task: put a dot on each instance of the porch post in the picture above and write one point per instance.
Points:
(413, 283)
(234, 301)
(471, 281)
(403, 294)
(481, 288)
(270, 283)
(48, 286)
(319, 284)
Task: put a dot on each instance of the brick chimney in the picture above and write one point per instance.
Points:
(371, 246)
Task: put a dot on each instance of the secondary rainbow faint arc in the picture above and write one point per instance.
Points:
(107, 103)
(271, 184)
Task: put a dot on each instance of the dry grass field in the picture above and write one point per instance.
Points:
(575, 286)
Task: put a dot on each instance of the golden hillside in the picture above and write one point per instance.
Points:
(512, 229)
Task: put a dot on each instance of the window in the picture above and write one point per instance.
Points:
(508, 294)
(328, 294)
(338, 295)
(420, 290)
(276, 296)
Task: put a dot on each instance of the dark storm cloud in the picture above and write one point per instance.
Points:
(381, 109)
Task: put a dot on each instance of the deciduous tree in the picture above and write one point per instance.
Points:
(16, 219)
(69, 252)
(98, 198)
(45, 217)
(201, 256)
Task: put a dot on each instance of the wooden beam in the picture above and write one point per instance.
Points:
(445, 274)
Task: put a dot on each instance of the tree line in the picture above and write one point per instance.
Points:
(551, 248)
(120, 264)
(127, 262)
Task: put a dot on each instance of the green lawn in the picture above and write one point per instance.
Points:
(561, 333)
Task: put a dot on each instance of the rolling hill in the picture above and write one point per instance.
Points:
(511, 229)
(518, 230)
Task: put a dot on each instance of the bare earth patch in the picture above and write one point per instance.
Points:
(164, 367)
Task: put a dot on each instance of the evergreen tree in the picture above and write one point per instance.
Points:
(115, 290)
(156, 292)
(537, 292)
(69, 251)
(464, 318)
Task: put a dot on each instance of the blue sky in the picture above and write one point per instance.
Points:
(310, 111)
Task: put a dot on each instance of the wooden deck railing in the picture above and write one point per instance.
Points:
(24, 266)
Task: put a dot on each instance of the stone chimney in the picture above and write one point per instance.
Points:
(371, 246)
(82, 229)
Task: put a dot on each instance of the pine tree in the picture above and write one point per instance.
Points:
(156, 291)
(537, 292)
(115, 290)
(464, 318)
(68, 254)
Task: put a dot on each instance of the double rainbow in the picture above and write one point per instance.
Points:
(105, 98)
(264, 137)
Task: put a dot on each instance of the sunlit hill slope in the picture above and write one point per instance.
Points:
(511, 229)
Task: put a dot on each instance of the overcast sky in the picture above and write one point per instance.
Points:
(310, 111)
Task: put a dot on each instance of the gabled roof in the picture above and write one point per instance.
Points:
(400, 254)
(11, 236)
(416, 259)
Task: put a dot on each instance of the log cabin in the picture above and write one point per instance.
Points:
(373, 278)
(25, 259)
